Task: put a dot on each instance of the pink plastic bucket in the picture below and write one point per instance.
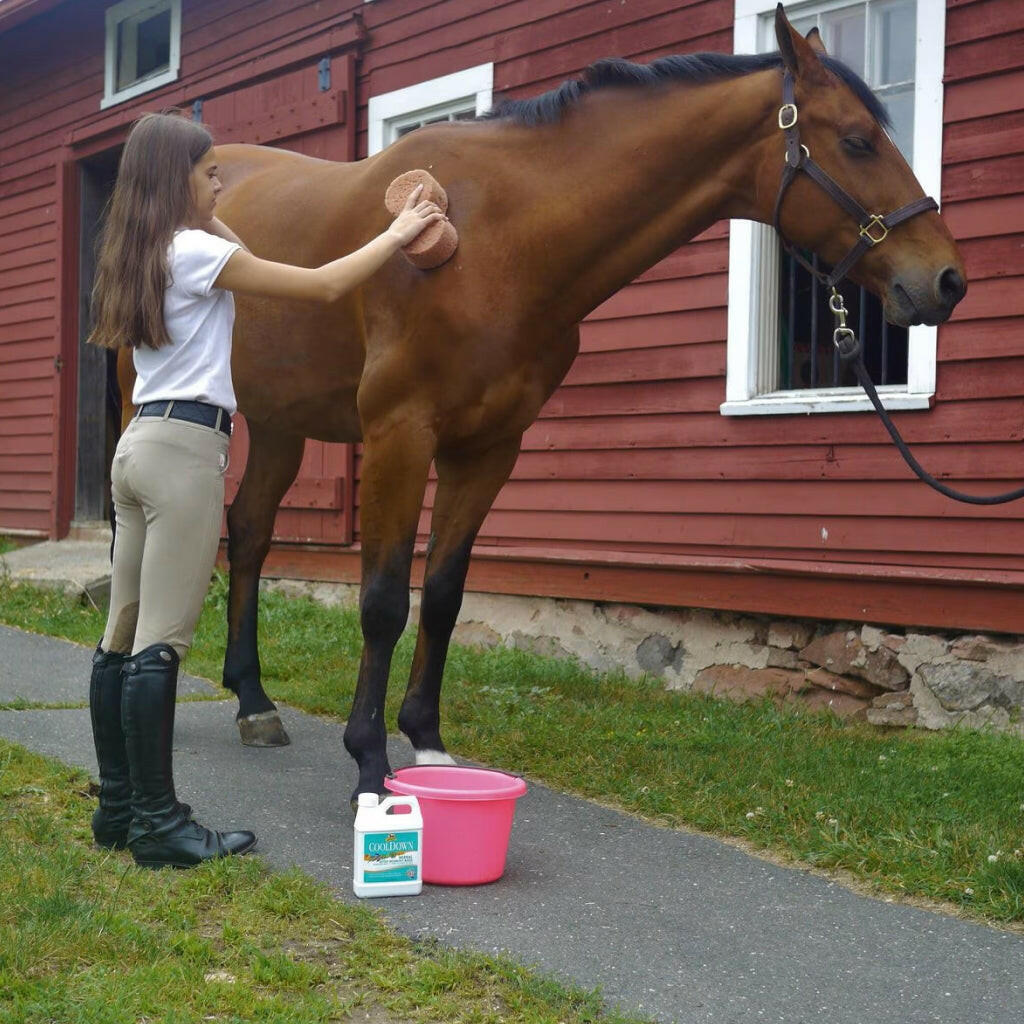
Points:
(467, 819)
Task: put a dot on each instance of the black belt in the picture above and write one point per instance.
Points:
(192, 412)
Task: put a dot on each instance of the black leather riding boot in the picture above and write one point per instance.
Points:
(111, 819)
(162, 832)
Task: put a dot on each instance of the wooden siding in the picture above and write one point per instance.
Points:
(631, 485)
(254, 65)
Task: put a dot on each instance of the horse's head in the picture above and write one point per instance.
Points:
(912, 265)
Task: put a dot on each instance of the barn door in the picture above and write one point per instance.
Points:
(307, 110)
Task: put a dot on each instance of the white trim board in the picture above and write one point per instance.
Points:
(476, 82)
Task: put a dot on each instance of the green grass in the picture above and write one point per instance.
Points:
(88, 938)
(935, 816)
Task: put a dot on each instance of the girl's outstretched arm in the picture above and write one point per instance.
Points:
(244, 272)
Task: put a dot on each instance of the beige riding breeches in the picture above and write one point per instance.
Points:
(167, 481)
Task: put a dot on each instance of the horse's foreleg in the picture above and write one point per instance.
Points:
(396, 460)
(273, 462)
(467, 486)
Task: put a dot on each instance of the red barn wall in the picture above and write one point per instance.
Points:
(631, 485)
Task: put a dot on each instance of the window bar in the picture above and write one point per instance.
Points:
(791, 341)
(835, 366)
(885, 351)
(814, 331)
(862, 319)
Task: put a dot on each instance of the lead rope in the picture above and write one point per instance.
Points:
(849, 348)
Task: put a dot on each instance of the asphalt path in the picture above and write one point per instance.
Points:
(669, 924)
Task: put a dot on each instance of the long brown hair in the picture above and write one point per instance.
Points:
(152, 199)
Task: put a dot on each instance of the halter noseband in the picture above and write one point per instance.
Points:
(873, 227)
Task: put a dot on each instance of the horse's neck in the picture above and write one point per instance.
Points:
(635, 174)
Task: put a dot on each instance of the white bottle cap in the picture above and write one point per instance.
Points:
(368, 799)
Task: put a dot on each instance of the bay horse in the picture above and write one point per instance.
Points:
(559, 201)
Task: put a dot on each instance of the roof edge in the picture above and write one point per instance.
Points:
(15, 12)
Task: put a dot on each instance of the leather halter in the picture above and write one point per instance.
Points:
(873, 227)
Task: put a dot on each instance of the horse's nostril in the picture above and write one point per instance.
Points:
(951, 287)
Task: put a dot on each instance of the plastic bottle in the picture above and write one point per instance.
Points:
(387, 857)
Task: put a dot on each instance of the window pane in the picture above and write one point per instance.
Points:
(900, 104)
(456, 115)
(154, 45)
(143, 47)
(804, 25)
(896, 34)
(843, 32)
(125, 53)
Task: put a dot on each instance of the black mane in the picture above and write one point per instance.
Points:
(695, 67)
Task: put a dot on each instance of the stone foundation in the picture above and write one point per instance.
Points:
(888, 677)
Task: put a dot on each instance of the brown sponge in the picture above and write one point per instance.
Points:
(435, 244)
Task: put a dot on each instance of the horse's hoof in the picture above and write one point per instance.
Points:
(263, 730)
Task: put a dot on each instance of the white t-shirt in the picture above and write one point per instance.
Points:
(196, 366)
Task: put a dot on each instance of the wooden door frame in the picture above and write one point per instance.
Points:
(68, 218)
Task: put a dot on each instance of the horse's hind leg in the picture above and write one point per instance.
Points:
(467, 486)
(396, 460)
(273, 462)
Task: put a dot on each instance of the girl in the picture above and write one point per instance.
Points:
(166, 271)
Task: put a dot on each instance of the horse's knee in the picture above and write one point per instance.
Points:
(384, 608)
(248, 544)
(364, 736)
(442, 599)
(442, 595)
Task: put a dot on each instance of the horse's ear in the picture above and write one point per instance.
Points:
(815, 41)
(798, 54)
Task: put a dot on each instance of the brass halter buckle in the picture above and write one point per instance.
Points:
(787, 110)
(877, 224)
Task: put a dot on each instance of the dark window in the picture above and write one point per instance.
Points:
(154, 45)
(143, 48)
(807, 356)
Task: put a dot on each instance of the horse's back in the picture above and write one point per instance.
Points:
(297, 364)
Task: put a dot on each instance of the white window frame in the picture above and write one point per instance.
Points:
(450, 93)
(754, 261)
(131, 9)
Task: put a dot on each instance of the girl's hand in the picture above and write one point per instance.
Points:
(415, 216)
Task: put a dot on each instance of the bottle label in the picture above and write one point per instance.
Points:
(391, 857)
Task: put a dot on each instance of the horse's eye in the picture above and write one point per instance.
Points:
(855, 144)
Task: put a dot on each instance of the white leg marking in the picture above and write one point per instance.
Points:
(433, 757)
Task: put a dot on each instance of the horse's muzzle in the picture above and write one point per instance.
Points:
(921, 301)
